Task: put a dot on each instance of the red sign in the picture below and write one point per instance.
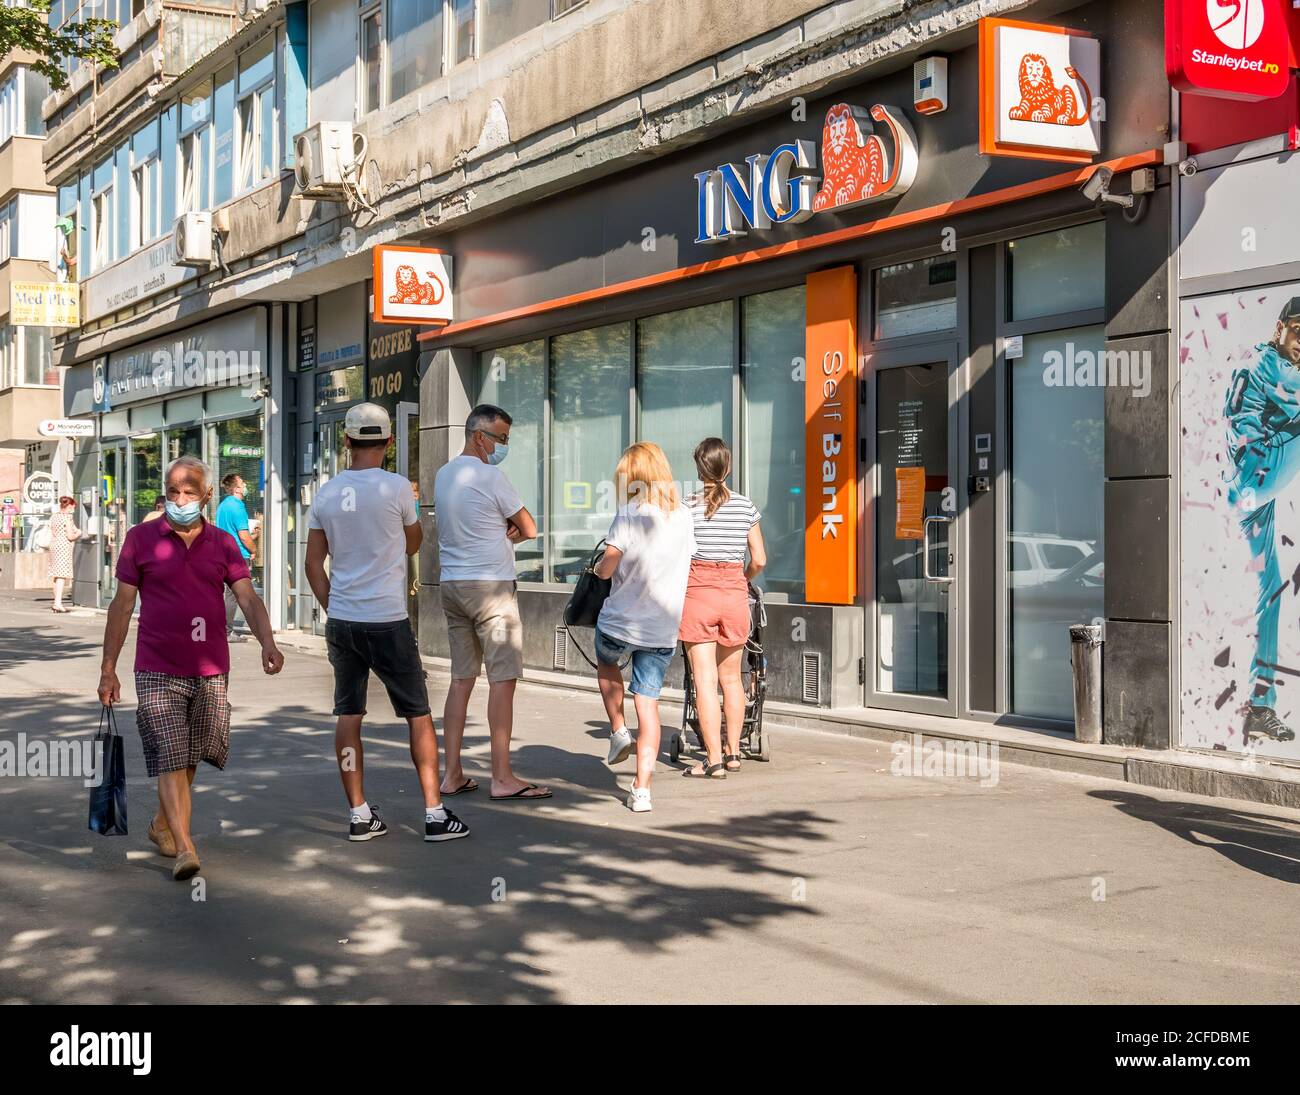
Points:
(1229, 49)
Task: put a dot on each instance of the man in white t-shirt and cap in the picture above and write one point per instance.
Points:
(480, 517)
(365, 521)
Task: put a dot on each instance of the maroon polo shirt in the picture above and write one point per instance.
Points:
(179, 587)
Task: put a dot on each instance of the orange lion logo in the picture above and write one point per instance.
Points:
(857, 168)
(1042, 101)
(410, 290)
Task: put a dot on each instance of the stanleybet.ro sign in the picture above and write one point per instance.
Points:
(1227, 49)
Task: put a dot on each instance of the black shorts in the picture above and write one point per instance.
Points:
(389, 649)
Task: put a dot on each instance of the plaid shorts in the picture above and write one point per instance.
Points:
(182, 720)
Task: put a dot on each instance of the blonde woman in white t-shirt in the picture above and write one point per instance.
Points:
(647, 556)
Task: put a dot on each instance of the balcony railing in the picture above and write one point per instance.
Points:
(191, 31)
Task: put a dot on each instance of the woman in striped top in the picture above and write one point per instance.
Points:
(715, 619)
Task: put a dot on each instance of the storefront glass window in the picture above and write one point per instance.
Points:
(685, 381)
(514, 379)
(1058, 272)
(589, 429)
(146, 475)
(1055, 550)
(772, 339)
(915, 298)
(183, 441)
(235, 445)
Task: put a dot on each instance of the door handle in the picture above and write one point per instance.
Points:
(925, 551)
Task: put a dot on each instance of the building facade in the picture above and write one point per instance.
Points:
(30, 255)
(661, 228)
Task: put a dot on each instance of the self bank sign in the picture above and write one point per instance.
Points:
(859, 164)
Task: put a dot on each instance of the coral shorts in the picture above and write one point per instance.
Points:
(717, 604)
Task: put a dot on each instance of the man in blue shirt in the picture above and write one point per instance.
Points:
(232, 517)
(1263, 411)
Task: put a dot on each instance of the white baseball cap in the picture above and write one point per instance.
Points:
(368, 422)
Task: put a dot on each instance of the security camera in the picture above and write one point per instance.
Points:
(1096, 188)
(1187, 167)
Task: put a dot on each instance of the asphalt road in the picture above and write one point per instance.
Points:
(819, 877)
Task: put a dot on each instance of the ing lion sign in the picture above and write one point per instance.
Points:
(412, 285)
(1040, 92)
(865, 156)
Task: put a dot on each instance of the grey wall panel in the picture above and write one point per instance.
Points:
(1137, 549)
(1137, 269)
(1136, 684)
(981, 509)
(1137, 426)
(1240, 217)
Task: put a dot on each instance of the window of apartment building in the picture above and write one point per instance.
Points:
(36, 364)
(8, 357)
(462, 30)
(10, 106)
(415, 46)
(8, 228)
(256, 114)
(506, 19)
(146, 188)
(101, 215)
(223, 136)
(371, 59)
(193, 176)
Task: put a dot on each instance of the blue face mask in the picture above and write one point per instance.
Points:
(186, 514)
(498, 453)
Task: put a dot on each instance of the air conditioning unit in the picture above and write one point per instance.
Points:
(323, 157)
(192, 240)
(250, 9)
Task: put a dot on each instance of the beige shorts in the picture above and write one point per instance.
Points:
(483, 628)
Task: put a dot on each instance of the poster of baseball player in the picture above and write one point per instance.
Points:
(1239, 398)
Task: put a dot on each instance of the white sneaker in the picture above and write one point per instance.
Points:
(620, 747)
(638, 800)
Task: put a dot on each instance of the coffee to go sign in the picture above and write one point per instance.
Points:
(1228, 49)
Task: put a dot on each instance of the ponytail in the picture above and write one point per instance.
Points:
(713, 463)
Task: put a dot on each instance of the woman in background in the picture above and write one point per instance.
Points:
(715, 618)
(63, 533)
(648, 555)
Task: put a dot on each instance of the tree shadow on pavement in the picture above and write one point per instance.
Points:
(1269, 846)
(19, 646)
(287, 910)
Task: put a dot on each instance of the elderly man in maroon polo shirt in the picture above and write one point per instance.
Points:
(180, 567)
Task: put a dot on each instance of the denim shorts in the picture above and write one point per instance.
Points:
(355, 649)
(649, 664)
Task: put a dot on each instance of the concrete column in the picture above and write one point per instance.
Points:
(1139, 648)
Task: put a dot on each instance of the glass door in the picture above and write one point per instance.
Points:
(911, 432)
(114, 516)
(331, 458)
(408, 465)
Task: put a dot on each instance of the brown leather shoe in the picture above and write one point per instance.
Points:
(164, 839)
(186, 866)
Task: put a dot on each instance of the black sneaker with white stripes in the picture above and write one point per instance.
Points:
(367, 830)
(449, 828)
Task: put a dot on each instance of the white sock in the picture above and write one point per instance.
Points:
(435, 813)
(360, 813)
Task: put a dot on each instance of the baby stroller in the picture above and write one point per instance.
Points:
(754, 743)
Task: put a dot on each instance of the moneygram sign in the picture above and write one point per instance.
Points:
(1227, 49)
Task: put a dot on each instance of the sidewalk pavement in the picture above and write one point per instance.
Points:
(821, 877)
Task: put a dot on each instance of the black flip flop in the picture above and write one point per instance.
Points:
(464, 788)
(521, 795)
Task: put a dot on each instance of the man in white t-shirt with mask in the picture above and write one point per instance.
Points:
(480, 517)
(364, 519)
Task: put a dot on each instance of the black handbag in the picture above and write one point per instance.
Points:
(589, 594)
(108, 800)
